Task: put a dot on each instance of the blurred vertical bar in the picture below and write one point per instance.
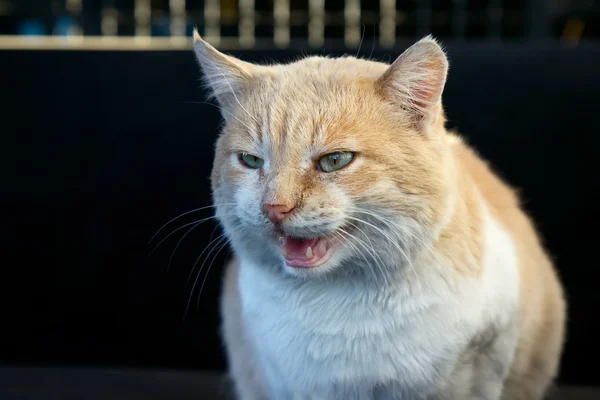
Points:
(423, 18)
(212, 21)
(494, 12)
(281, 14)
(387, 22)
(142, 14)
(110, 19)
(316, 22)
(5, 8)
(352, 19)
(230, 19)
(247, 23)
(74, 8)
(177, 13)
(537, 19)
(459, 18)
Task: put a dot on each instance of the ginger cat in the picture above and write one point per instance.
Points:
(376, 255)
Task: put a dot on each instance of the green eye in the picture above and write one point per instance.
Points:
(251, 161)
(334, 161)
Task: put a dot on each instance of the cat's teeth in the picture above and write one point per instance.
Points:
(309, 253)
(283, 252)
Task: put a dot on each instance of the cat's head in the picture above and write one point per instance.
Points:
(330, 164)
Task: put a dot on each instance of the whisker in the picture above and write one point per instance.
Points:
(208, 272)
(212, 246)
(180, 228)
(179, 243)
(389, 223)
(404, 231)
(361, 40)
(183, 237)
(339, 233)
(393, 243)
(184, 214)
(360, 253)
(220, 240)
(378, 261)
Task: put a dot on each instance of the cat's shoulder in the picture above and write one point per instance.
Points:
(496, 191)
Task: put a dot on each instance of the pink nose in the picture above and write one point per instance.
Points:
(276, 212)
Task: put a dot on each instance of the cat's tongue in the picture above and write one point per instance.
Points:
(304, 253)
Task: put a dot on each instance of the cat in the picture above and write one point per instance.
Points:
(377, 256)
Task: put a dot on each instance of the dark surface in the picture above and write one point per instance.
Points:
(114, 384)
(136, 384)
(99, 149)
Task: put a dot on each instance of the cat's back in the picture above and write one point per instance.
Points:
(504, 204)
(542, 304)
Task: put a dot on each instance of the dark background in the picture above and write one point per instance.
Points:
(100, 149)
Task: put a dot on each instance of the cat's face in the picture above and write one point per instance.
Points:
(319, 168)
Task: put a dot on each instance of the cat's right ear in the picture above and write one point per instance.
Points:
(224, 75)
(415, 81)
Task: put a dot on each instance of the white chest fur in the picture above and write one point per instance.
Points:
(323, 338)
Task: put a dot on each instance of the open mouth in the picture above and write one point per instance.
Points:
(305, 253)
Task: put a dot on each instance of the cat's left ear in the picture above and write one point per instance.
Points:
(415, 81)
(226, 76)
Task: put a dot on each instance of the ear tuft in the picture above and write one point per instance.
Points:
(196, 35)
(416, 79)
